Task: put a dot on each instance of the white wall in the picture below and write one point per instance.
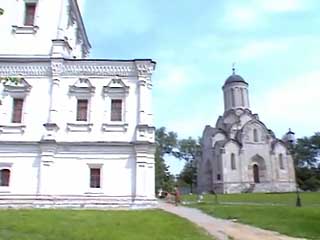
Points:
(51, 22)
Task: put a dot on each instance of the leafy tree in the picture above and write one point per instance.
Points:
(306, 155)
(166, 142)
(185, 149)
(187, 175)
(189, 150)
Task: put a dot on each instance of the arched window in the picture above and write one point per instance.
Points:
(281, 161)
(233, 98)
(4, 177)
(255, 135)
(233, 161)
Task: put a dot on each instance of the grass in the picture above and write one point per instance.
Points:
(289, 199)
(275, 212)
(96, 225)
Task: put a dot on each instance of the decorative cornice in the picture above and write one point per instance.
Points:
(70, 67)
(24, 69)
(98, 69)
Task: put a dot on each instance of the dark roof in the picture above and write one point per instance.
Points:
(235, 78)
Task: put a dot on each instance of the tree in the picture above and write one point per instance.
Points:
(187, 175)
(306, 155)
(166, 142)
(189, 150)
(185, 149)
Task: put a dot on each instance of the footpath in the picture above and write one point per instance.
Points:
(222, 229)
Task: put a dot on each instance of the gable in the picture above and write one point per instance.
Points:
(254, 131)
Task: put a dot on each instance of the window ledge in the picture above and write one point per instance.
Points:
(24, 29)
(115, 127)
(94, 191)
(4, 189)
(12, 128)
(79, 127)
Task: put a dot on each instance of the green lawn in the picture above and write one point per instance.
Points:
(269, 211)
(308, 198)
(96, 225)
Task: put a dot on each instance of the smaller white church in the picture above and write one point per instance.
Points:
(74, 132)
(240, 154)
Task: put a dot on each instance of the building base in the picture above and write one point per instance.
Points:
(250, 187)
(76, 202)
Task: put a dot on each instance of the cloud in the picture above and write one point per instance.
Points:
(254, 14)
(240, 17)
(258, 49)
(294, 103)
(121, 17)
(284, 5)
(173, 78)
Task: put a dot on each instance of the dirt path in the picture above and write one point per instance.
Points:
(223, 229)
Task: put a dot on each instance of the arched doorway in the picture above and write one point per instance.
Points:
(256, 173)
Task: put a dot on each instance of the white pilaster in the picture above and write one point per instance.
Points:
(46, 177)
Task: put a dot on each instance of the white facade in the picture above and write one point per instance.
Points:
(241, 154)
(71, 121)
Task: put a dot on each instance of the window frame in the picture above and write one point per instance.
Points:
(21, 110)
(26, 20)
(8, 177)
(78, 110)
(117, 114)
(95, 180)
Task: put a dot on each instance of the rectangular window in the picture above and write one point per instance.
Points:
(4, 177)
(116, 110)
(17, 110)
(82, 110)
(30, 11)
(95, 178)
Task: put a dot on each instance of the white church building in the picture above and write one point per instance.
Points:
(240, 154)
(75, 131)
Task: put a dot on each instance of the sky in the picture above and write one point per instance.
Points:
(275, 45)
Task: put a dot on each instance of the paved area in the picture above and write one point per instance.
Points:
(223, 229)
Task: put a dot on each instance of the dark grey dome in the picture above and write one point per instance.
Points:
(235, 78)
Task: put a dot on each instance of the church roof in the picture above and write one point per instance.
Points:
(234, 78)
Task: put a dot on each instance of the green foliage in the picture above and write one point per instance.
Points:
(15, 80)
(307, 151)
(165, 143)
(97, 225)
(185, 149)
(306, 155)
(189, 150)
